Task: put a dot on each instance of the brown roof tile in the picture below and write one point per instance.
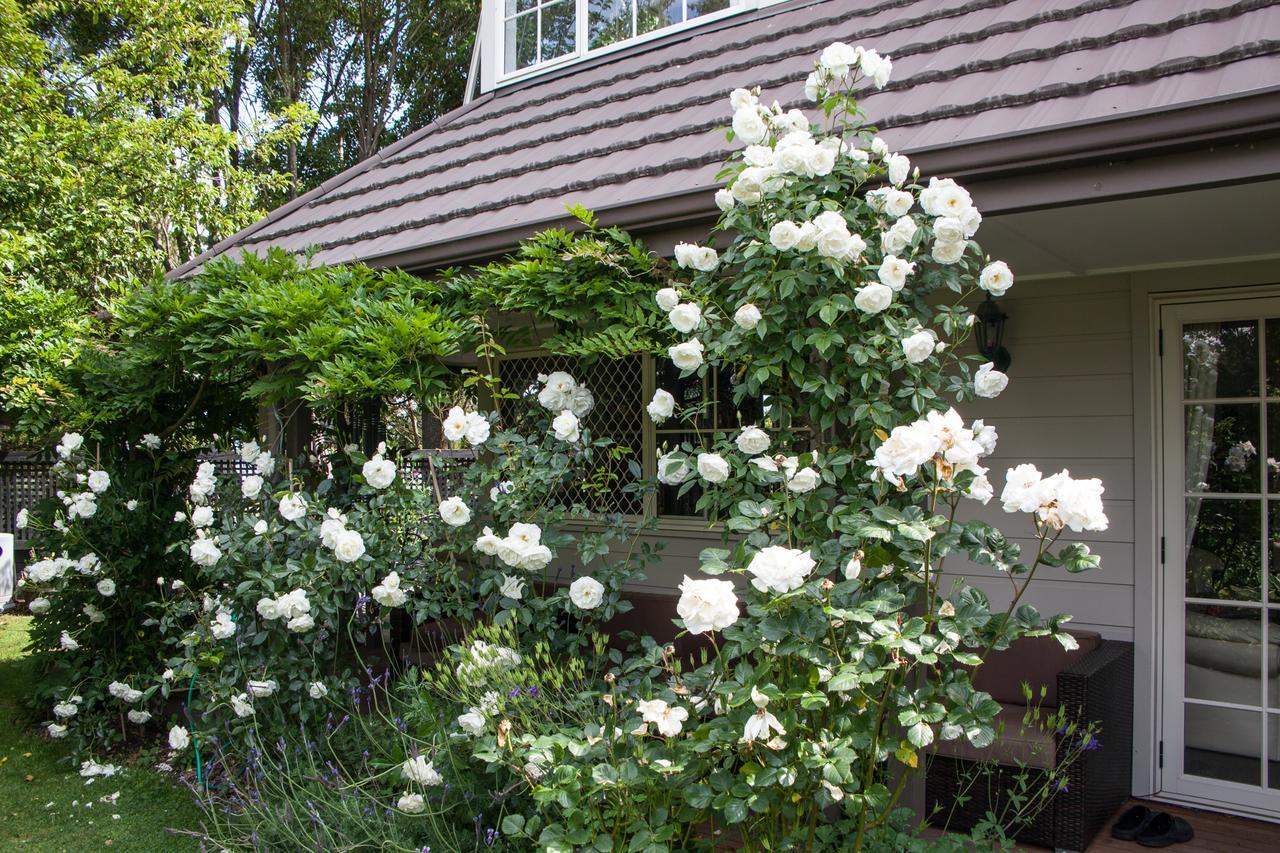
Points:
(643, 125)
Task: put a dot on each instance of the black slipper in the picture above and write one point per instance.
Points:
(1165, 829)
(1132, 822)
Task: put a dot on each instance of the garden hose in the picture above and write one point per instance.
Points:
(195, 741)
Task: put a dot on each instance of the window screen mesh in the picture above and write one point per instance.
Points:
(618, 388)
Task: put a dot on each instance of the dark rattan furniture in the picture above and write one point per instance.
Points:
(1094, 687)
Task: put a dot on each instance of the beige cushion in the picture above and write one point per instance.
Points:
(1015, 743)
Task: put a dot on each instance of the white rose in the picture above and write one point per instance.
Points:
(804, 480)
(265, 464)
(250, 487)
(348, 546)
(150, 441)
(418, 769)
(249, 452)
(758, 155)
(688, 355)
(907, 448)
(380, 473)
(893, 272)
(873, 298)
(71, 442)
(685, 317)
(293, 507)
(838, 58)
(784, 235)
(899, 169)
(389, 593)
(39, 605)
(662, 406)
(241, 706)
(472, 722)
(68, 642)
(989, 382)
(701, 258)
(1079, 504)
(454, 512)
(411, 803)
(586, 593)
(752, 440)
(487, 543)
(202, 516)
(301, 624)
(99, 481)
(204, 552)
(580, 403)
(64, 710)
(948, 253)
(944, 197)
(747, 316)
(222, 627)
(512, 587)
(896, 202)
(106, 587)
(454, 426)
(262, 689)
(259, 527)
(918, 347)
(178, 738)
(317, 690)
(22, 520)
(558, 392)
(749, 126)
(899, 235)
(724, 199)
(138, 717)
(712, 467)
(876, 67)
(779, 569)
(565, 426)
(707, 605)
(740, 98)
(996, 279)
(948, 229)
(667, 298)
(981, 489)
(673, 469)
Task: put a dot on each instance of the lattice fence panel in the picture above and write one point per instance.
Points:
(618, 388)
(437, 471)
(25, 480)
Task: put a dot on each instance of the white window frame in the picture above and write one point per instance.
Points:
(493, 32)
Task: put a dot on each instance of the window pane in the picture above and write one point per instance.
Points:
(608, 21)
(732, 417)
(559, 32)
(522, 41)
(670, 501)
(1224, 654)
(693, 398)
(702, 7)
(1273, 358)
(655, 14)
(1223, 743)
(1222, 447)
(514, 6)
(1220, 359)
(1224, 554)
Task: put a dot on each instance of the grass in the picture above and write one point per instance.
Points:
(46, 806)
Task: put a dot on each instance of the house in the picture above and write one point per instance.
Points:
(1126, 156)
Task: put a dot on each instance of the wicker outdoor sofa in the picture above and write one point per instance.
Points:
(1092, 684)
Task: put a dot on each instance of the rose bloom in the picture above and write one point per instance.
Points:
(348, 546)
(996, 279)
(472, 722)
(989, 382)
(893, 272)
(804, 480)
(752, 440)
(586, 593)
(747, 316)
(565, 427)
(98, 481)
(478, 429)
(250, 487)
(512, 587)
(454, 426)
(667, 298)
(411, 803)
(949, 229)
(488, 543)
(899, 168)
(707, 605)
(106, 587)
(701, 258)
(873, 298)
(897, 202)
(780, 569)
(948, 253)
(662, 406)
(262, 689)
(418, 769)
(454, 512)
(712, 467)
(388, 593)
(725, 200)
(673, 469)
(748, 126)
(317, 690)
(179, 738)
(293, 507)
(685, 317)
(378, 472)
(688, 355)
(899, 235)
(918, 347)
(204, 552)
(202, 516)
(784, 235)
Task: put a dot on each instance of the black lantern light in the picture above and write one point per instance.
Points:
(988, 330)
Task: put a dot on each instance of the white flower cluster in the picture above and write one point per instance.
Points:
(695, 257)
(347, 545)
(797, 479)
(49, 569)
(222, 627)
(202, 487)
(380, 472)
(293, 608)
(124, 692)
(560, 391)
(150, 441)
(80, 505)
(480, 657)
(841, 65)
(827, 233)
(522, 547)
(262, 460)
(707, 605)
(389, 593)
(461, 424)
(940, 438)
(69, 444)
(668, 719)
(1058, 501)
(778, 569)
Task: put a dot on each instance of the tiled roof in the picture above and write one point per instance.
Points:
(637, 133)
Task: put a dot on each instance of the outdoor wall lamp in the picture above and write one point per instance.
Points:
(988, 330)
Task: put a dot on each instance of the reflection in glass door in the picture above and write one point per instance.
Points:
(1221, 721)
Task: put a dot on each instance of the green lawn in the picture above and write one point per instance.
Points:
(40, 789)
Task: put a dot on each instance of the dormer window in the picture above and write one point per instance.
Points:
(522, 37)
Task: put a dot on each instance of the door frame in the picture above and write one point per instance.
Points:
(1171, 782)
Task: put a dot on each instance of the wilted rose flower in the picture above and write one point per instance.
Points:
(262, 689)
(707, 605)
(565, 427)
(685, 317)
(418, 769)
(996, 278)
(472, 722)
(668, 719)
(712, 467)
(67, 642)
(39, 605)
(22, 519)
(688, 355)
(63, 710)
(138, 717)
(989, 382)
(454, 512)
(586, 593)
(511, 587)
(780, 569)
(752, 440)
(241, 706)
(662, 406)
(56, 730)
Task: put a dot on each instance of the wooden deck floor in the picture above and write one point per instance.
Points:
(1215, 833)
